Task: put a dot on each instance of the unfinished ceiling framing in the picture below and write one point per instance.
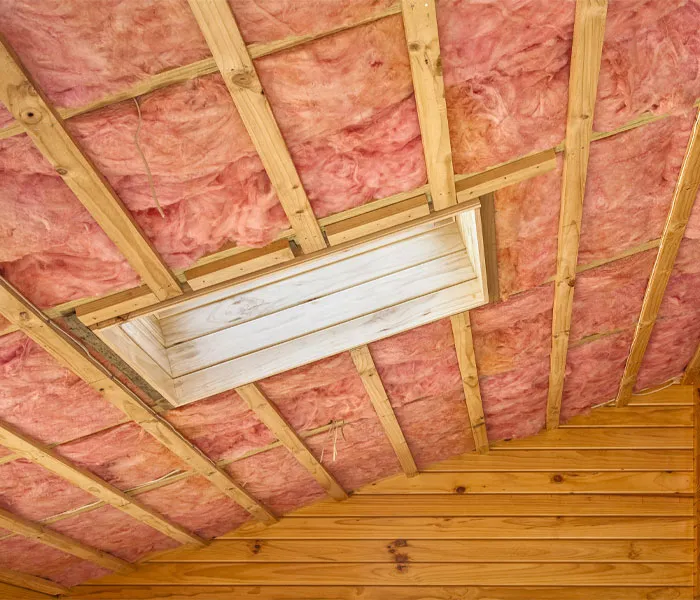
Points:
(340, 242)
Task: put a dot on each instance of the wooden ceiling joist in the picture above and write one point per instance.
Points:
(236, 66)
(420, 25)
(44, 535)
(270, 415)
(586, 52)
(65, 350)
(26, 102)
(23, 580)
(362, 358)
(464, 346)
(681, 206)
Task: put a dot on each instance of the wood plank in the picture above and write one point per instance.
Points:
(552, 482)
(113, 305)
(85, 480)
(568, 460)
(46, 536)
(464, 528)
(464, 347)
(221, 32)
(666, 416)
(298, 592)
(377, 220)
(479, 184)
(587, 47)
(675, 395)
(679, 213)
(542, 505)
(11, 592)
(327, 342)
(691, 376)
(271, 417)
(437, 550)
(488, 230)
(65, 350)
(420, 26)
(45, 127)
(696, 497)
(23, 580)
(238, 265)
(362, 358)
(592, 574)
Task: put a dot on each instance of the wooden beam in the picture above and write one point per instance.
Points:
(679, 213)
(488, 229)
(691, 376)
(269, 414)
(362, 358)
(28, 105)
(586, 51)
(65, 350)
(236, 66)
(464, 347)
(46, 536)
(420, 25)
(23, 580)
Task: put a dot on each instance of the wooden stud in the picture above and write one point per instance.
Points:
(679, 213)
(236, 66)
(420, 25)
(362, 358)
(268, 413)
(464, 347)
(692, 371)
(23, 580)
(46, 536)
(26, 102)
(587, 47)
(488, 231)
(65, 350)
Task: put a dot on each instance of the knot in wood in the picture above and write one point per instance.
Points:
(558, 478)
(414, 46)
(24, 316)
(461, 489)
(30, 116)
(245, 78)
(61, 171)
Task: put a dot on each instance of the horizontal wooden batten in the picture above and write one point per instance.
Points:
(635, 417)
(592, 574)
(30, 582)
(675, 395)
(679, 438)
(11, 592)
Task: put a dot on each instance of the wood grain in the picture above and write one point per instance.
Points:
(23, 580)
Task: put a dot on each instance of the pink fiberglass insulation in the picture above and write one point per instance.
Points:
(610, 297)
(33, 558)
(651, 60)
(277, 480)
(631, 178)
(593, 372)
(114, 531)
(221, 426)
(527, 225)
(681, 296)
(194, 503)
(35, 493)
(513, 333)
(45, 400)
(506, 66)
(125, 456)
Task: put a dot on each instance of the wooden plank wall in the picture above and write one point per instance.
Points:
(600, 508)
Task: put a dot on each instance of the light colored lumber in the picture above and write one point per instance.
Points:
(362, 358)
(666, 416)
(377, 220)
(612, 437)
(46, 129)
(587, 46)
(221, 32)
(420, 26)
(675, 395)
(46, 536)
(433, 551)
(487, 212)
(691, 376)
(85, 480)
(558, 573)
(479, 184)
(269, 414)
(11, 592)
(30, 582)
(464, 347)
(238, 265)
(403, 592)
(679, 213)
(65, 350)
(113, 305)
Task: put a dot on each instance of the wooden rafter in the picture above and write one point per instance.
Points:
(236, 66)
(464, 346)
(586, 51)
(679, 213)
(46, 536)
(269, 414)
(65, 350)
(22, 580)
(364, 364)
(420, 25)
(26, 102)
(692, 371)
